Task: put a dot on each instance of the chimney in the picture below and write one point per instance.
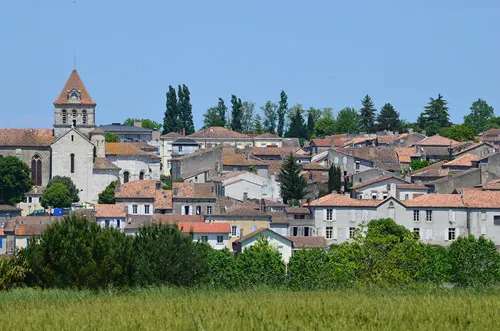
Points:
(424, 132)
(183, 131)
(410, 130)
(138, 124)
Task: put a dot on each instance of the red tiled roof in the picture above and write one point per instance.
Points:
(124, 149)
(474, 198)
(274, 151)
(340, 200)
(406, 153)
(192, 190)
(163, 199)
(74, 81)
(102, 163)
(321, 142)
(464, 160)
(308, 242)
(297, 210)
(217, 132)
(492, 132)
(175, 218)
(437, 140)
(411, 186)
(137, 189)
(202, 227)
(172, 134)
(117, 210)
(230, 157)
(436, 200)
(26, 137)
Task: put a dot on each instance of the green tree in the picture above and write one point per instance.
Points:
(418, 164)
(367, 114)
(223, 269)
(309, 270)
(348, 121)
(257, 124)
(171, 118)
(107, 196)
(111, 137)
(435, 116)
(236, 114)
(282, 109)
(66, 181)
(247, 120)
(185, 109)
(270, 116)
(222, 110)
(480, 116)
(474, 261)
(326, 124)
(292, 182)
(310, 125)
(146, 123)
(334, 179)
(297, 128)
(15, 180)
(56, 196)
(388, 119)
(459, 132)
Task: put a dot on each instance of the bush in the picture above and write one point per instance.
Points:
(56, 196)
(223, 269)
(309, 269)
(74, 253)
(12, 272)
(66, 181)
(107, 196)
(474, 261)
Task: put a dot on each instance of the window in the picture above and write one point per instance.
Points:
(329, 214)
(384, 196)
(74, 117)
(141, 175)
(416, 216)
(295, 231)
(374, 196)
(186, 210)
(209, 210)
(180, 148)
(496, 220)
(234, 230)
(204, 239)
(36, 170)
(64, 116)
(388, 186)
(126, 176)
(198, 210)
(360, 180)
(451, 233)
(352, 231)
(329, 232)
(146, 209)
(118, 224)
(357, 165)
(30, 200)
(416, 231)
(84, 116)
(220, 240)
(72, 165)
(306, 231)
(407, 197)
(134, 209)
(253, 228)
(428, 215)
(72, 138)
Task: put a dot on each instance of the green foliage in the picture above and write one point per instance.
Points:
(474, 261)
(107, 196)
(459, 132)
(260, 264)
(66, 181)
(15, 180)
(223, 270)
(146, 123)
(310, 270)
(75, 254)
(185, 110)
(111, 137)
(270, 116)
(247, 120)
(297, 127)
(310, 125)
(171, 117)
(252, 169)
(348, 121)
(480, 116)
(367, 114)
(388, 119)
(292, 182)
(236, 114)
(334, 179)
(435, 116)
(282, 108)
(417, 164)
(326, 124)
(166, 256)
(257, 124)
(56, 196)
(12, 272)
(215, 116)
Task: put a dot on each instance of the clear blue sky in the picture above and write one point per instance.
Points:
(322, 53)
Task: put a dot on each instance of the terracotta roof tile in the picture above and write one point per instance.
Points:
(30, 229)
(140, 189)
(26, 137)
(321, 142)
(464, 160)
(274, 151)
(411, 186)
(437, 140)
(297, 210)
(278, 217)
(245, 211)
(124, 149)
(308, 242)
(218, 132)
(406, 153)
(192, 190)
(163, 199)
(172, 134)
(481, 199)
(230, 157)
(436, 200)
(339, 200)
(436, 165)
(74, 81)
(314, 166)
(271, 203)
(175, 218)
(117, 210)
(202, 227)
(375, 180)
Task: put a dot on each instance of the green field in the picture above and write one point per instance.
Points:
(178, 309)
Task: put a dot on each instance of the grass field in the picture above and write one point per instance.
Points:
(178, 309)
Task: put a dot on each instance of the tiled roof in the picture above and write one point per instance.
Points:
(30, 229)
(464, 160)
(290, 142)
(230, 157)
(340, 200)
(436, 200)
(74, 81)
(9, 208)
(481, 199)
(274, 167)
(297, 210)
(278, 217)
(26, 137)
(437, 140)
(308, 242)
(202, 227)
(172, 134)
(375, 180)
(175, 218)
(36, 219)
(432, 173)
(144, 146)
(117, 210)
(436, 165)
(192, 190)
(492, 185)
(274, 151)
(492, 133)
(411, 186)
(163, 199)
(247, 212)
(271, 203)
(141, 189)
(228, 175)
(267, 135)
(321, 142)
(102, 163)
(433, 150)
(383, 157)
(257, 232)
(406, 153)
(217, 132)
(314, 166)
(124, 149)
(386, 139)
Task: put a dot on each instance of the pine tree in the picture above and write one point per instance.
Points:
(236, 114)
(282, 108)
(388, 119)
(435, 116)
(185, 109)
(270, 116)
(292, 182)
(257, 124)
(334, 179)
(367, 114)
(310, 126)
(171, 118)
(297, 128)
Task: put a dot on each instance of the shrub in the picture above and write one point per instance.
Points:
(309, 269)
(56, 196)
(223, 269)
(12, 272)
(474, 261)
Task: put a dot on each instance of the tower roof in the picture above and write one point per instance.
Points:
(74, 82)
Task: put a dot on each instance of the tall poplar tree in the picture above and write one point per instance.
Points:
(185, 109)
(310, 126)
(236, 114)
(282, 109)
(367, 114)
(171, 118)
(334, 179)
(292, 182)
(270, 116)
(297, 128)
(222, 110)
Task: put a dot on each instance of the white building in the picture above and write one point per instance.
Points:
(281, 243)
(111, 216)
(242, 185)
(215, 234)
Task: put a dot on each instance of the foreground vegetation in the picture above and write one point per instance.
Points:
(195, 309)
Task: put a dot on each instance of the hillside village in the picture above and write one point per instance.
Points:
(224, 186)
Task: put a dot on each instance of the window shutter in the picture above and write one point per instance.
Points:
(457, 233)
(334, 214)
(347, 233)
(183, 208)
(353, 215)
(324, 214)
(190, 210)
(483, 229)
(423, 216)
(237, 231)
(365, 215)
(319, 232)
(454, 216)
(334, 233)
(445, 234)
(450, 215)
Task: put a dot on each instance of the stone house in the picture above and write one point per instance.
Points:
(378, 188)
(320, 145)
(193, 199)
(215, 234)
(436, 148)
(281, 243)
(243, 185)
(111, 216)
(138, 196)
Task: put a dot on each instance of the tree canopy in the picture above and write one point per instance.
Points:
(367, 114)
(215, 116)
(236, 114)
(15, 180)
(66, 181)
(480, 117)
(146, 123)
(282, 109)
(388, 119)
(292, 182)
(435, 116)
(107, 196)
(348, 121)
(111, 137)
(185, 109)
(460, 132)
(270, 116)
(56, 196)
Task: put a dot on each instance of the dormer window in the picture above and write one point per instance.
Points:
(74, 95)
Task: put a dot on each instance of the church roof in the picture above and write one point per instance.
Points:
(26, 137)
(102, 163)
(74, 81)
